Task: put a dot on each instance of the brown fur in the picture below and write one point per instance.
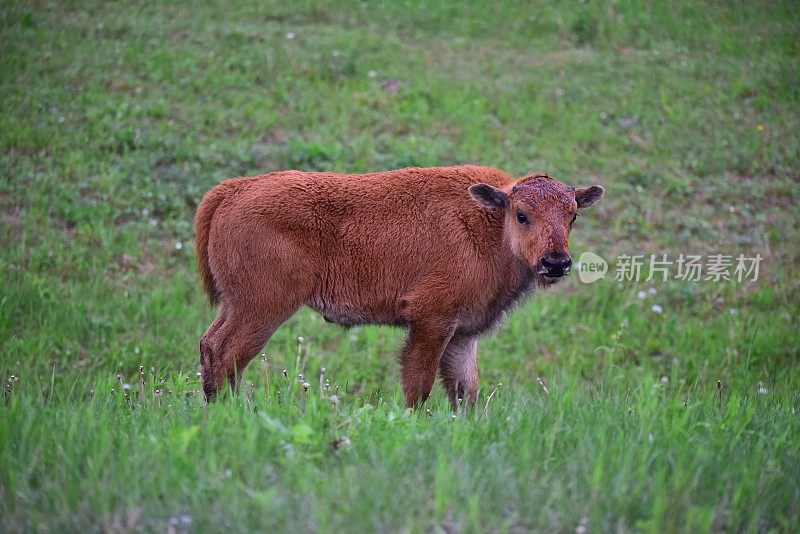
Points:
(429, 249)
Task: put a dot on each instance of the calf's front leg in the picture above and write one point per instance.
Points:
(458, 370)
(419, 360)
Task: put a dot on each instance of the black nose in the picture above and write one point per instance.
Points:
(556, 265)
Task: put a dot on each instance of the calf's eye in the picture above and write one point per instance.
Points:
(521, 217)
(574, 217)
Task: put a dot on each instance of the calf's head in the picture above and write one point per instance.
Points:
(539, 214)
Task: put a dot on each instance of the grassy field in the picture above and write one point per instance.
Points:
(651, 406)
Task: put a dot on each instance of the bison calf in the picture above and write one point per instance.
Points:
(442, 251)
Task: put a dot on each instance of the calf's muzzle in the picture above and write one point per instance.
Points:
(555, 265)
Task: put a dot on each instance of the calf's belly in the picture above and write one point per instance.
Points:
(346, 296)
(355, 313)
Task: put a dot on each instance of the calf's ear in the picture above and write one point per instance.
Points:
(586, 196)
(488, 196)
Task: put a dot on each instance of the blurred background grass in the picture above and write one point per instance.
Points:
(118, 116)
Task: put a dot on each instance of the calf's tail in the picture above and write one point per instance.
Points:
(202, 227)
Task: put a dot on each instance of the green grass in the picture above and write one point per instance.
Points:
(117, 117)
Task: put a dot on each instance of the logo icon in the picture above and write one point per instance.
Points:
(591, 267)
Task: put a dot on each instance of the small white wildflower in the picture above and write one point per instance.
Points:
(372, 74)
(336, 53)
(656, 308)
(290, 35)
(733, 311)
(652, 291)
(664, 380)
(342, 442)
(641, 295)
(732, 208)
(761, 389)
(136, 350)
(178, 245)
(334, 399)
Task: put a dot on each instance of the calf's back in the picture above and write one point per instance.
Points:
(361, 244)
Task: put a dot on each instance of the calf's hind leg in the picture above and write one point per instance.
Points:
(207, 348)
(257, 299)
(250, 319)
(243, 333)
